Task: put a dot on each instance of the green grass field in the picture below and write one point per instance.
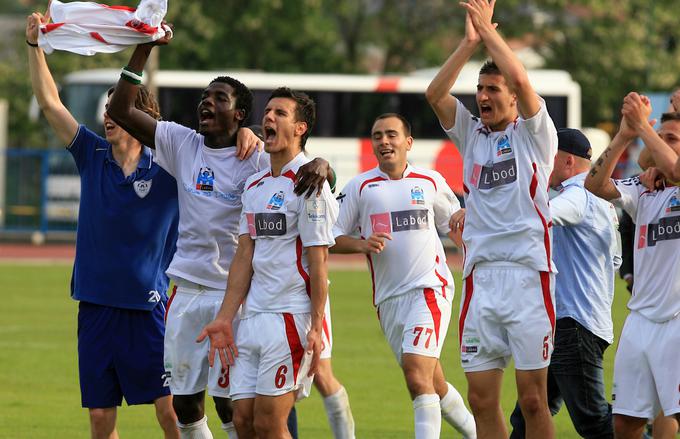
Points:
(40, 396)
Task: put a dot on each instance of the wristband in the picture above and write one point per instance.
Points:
(137, 76)
(130, 79)
(32, 44)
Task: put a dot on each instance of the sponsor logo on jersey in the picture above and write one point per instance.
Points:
(468, 349)
(666, 229)
(370, 185)
(316, 211)
(205, 180)
(400, 221)
(341, 197)
(276, 201)
(503, 146)
(495, 174)
(673, 205)
(417, 195)
(142, 187)
(266, 224)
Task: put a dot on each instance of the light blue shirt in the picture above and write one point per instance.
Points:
(587, 253)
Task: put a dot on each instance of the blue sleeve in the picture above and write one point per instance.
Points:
(84, 144)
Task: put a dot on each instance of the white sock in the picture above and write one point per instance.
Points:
(230, 429)
(195, 430)
(339, 414)
(456, 414)
(428, 418)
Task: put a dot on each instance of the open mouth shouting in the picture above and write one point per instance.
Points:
(386, 153)
(269, 134)
(485, 110)
(205, 116)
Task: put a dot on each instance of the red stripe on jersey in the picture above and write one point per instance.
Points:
(268, 174)
(443, 281)
(424, 177)
(370, 180)
(98, 37)
(546, 233)
(325, 329)
(141, 27)
(431, 301)
(370, 267)
(547, 299)
(301, 269)
(296, 349)
(290, 174)
(167, 307)
(387, 85)
(50, 27)
(469, 289)
(119, 8)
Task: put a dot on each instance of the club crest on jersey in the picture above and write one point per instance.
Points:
(673, 205)
(503, 146)
(417, 195)
(205, 180)
(276, 201)
(142, 187)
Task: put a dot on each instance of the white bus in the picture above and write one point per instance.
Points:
(346, 108)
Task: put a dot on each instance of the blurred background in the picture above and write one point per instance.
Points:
(357, 58)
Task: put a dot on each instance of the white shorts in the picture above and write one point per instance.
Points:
(271, 357)
(416, 322)
(647, 368)
(189, 310)
(507, 310)
(327, 333)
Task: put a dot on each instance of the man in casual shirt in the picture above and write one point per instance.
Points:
(508, 308)
(399, 209)
(279, 274)
(646, 376)
(587, 254)
(127, 229)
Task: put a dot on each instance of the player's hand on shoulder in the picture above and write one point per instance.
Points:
(247, 142)
(221, 335)
(311, 177)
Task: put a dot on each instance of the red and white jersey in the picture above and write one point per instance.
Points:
(283, 225)
(86, 28)
(505, 180)
(656, 257)
(412, 210)
(210, 183)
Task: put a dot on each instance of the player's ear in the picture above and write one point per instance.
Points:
(409, 143)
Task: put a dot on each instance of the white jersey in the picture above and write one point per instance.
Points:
(412, 210)
(86, 28)
(505, 179)
(283, 225)
(209, 186)
(656, 256)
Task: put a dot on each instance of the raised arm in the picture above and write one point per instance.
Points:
(60, 119)
(122, 105)
(481, 14)
(438, 93)
(599, 180)
(220, 330)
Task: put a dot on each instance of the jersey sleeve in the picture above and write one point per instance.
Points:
(569, 207)
(630, 190)
(243, 227)
(83, 145)
(169, 138)
(348, 218)
(542, 135)
(316, 217)
(459, 131)
(445, 204)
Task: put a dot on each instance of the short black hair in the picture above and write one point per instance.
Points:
(490, 68)
(404, 121)
(674, 115)
(305, 108)
(243, 95)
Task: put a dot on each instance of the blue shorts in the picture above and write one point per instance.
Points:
(120, 354)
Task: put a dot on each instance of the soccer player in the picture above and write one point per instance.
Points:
(279, 273)
(398, 209)
(646, 373)
(508, 151)
(211, 175)
(587, 253)
(118, 277)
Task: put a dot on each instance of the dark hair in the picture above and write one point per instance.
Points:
(675, 115)
(243, 95)
(305, 108)
(145, 101)
(490, 68)
(404, 122)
